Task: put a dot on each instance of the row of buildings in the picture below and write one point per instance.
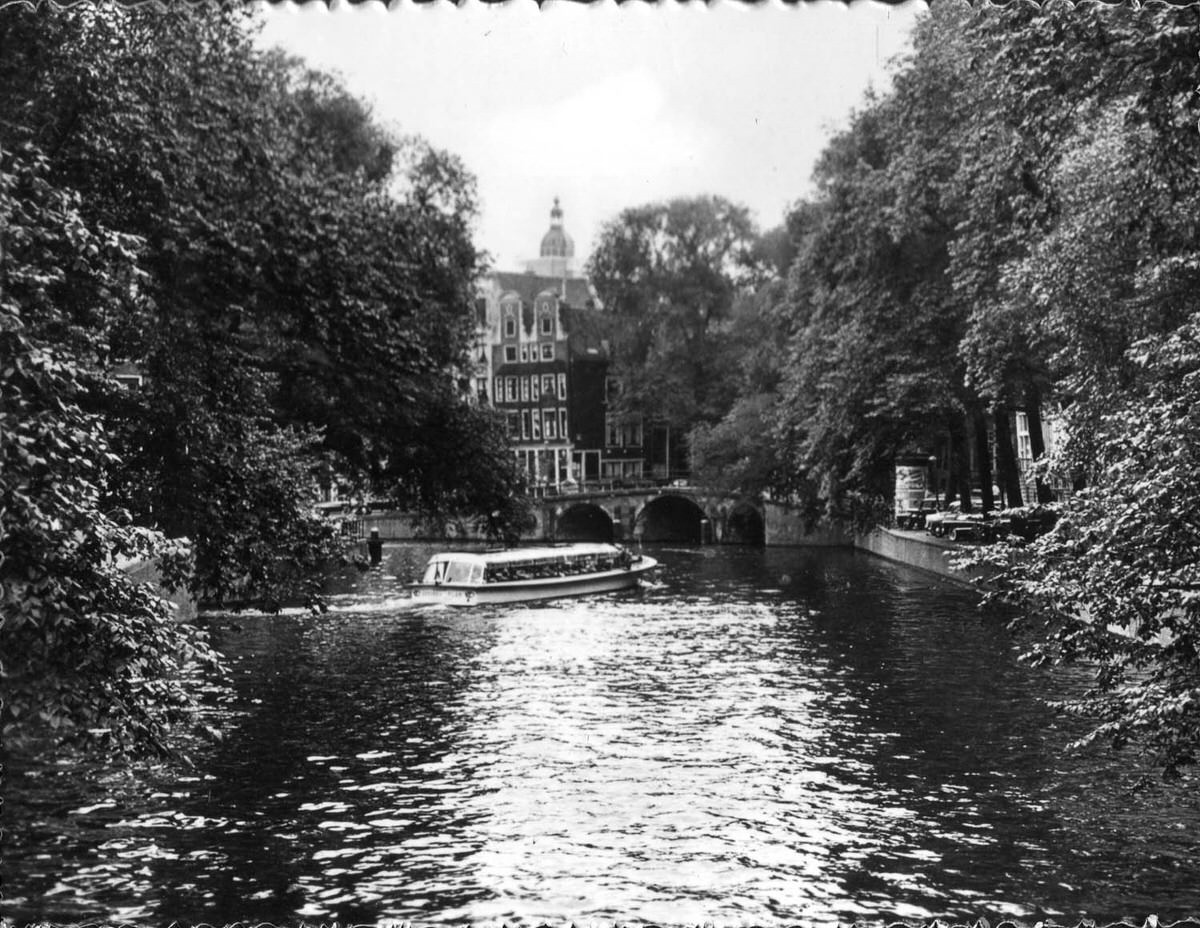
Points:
(543, 361)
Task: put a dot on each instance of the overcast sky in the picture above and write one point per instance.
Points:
(607, 107)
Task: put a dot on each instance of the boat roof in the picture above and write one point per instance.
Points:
(523, 555)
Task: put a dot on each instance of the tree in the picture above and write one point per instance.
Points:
(295, 286)
(873, 355)
(921, 323)
(1116, 584)
(160, 126)
(737, 454)
(89, 655)
(1015, 224)
(1103, 87)
(306, 275)
(1103, 287)
(668, 274)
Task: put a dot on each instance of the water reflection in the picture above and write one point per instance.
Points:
(761, 738)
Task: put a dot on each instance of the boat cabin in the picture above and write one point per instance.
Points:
(523, 564)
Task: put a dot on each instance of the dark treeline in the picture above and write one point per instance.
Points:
(1011, 228)
(292, 281)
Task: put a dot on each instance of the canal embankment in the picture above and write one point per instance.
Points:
(918, 550)
(784, 527)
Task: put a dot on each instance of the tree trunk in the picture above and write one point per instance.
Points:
(958, 465)
(984, 455)
(1037, 441)
(1006, 458)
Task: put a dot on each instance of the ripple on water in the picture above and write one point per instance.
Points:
(758, 738)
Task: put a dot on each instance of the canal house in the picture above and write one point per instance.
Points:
(542, 360)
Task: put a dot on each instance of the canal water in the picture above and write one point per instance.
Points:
(772, 737)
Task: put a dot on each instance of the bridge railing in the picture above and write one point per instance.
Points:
(592, 487)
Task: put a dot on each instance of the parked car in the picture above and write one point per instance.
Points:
(913, 519)
(934, 520)
(1028, 522)
(957, 525)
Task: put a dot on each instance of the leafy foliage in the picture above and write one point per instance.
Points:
(1116, 583)
(293, 282)
(307, 278)
(874, 350)
(89, 655)
(1013, 226)
(669, 274)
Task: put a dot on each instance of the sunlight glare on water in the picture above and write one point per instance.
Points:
(758, 738)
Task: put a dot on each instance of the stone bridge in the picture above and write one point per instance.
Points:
(682, 514)
(687, 514)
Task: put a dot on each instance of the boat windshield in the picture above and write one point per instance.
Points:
(450, 571)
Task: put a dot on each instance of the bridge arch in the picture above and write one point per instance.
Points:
(670, 518)
(744, 525)
(584, 522)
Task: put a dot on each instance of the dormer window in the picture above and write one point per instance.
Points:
(510, 327)
(547, 325)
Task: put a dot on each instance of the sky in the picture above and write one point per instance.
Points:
(607, 107)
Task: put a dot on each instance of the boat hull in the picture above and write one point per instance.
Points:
(516, 591)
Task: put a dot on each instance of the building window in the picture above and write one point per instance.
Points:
(562, 386)
(612, 389)
(548, 385)
(499, 392)
(510, 327)
(524, 353)
(537, 426)
(547, 324)
(547, 351)
(623, 433)
(562, 423)
(510, 353)
(510, 384)
(1024, 442)
(514, 424)
(548, 425)
(622, 470)
(525, 424)
(525, 393)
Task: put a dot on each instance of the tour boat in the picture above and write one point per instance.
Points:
(463, 578)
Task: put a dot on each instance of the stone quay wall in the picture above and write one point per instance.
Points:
(917, 550)
(784, 526)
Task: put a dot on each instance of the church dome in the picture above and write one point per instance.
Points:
(556, 243)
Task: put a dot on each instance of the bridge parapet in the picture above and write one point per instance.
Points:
(653, 512)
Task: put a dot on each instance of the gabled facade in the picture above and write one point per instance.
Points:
(543, 362)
